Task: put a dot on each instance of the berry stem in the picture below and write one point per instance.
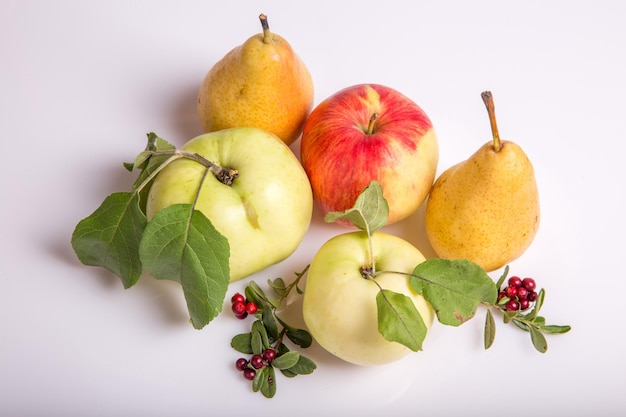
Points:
(488, 100)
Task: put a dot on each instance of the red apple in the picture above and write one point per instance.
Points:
(369, 132)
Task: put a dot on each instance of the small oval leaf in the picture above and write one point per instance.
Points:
(287, 360)
(538, 339)
(490, 330)
(553, 329)
(242, 343)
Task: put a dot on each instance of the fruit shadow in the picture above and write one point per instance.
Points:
(183, 116)
(179, 116)
(413, 230)
(163, 297)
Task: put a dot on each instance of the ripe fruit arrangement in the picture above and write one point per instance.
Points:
(209, 213)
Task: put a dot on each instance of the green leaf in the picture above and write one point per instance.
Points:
(507, 316)
(304, 366)
(502, 277)
(520, 324)
(110, 237)
(282, 349)
(242, 343)
(269, 320)
(534, 312)
(255, 293)
(148, 163)
(399, 321)
(300, 337)
(454, 288)
(490, 330)
(553, 329)
(287, 360)
(369, 213)
(140, 161)
(265, 381)
(154, 144)
(259, 339)
(538, 339)
(181, 244)
(278, 285)
(256, 343)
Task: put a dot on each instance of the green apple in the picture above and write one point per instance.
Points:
(264, 213)
(339, 304)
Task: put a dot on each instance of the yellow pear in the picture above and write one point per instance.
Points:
(261, 83)
(486, 208)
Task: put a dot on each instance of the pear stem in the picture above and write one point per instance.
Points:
(370, 125)
(267, 35)
(488, 99)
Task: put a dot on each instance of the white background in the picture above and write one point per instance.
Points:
(81, 83)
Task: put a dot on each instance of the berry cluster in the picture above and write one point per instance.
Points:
(519, 294)
(256, 362)
(242, 307)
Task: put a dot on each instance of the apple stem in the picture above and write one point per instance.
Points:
(370, 126)
(267, 35)
(367, 271)
(223, 174)
(488, 99)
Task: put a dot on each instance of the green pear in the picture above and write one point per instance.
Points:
(486, 208)
(261, 83)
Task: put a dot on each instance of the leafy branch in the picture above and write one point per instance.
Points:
(530, 322)
(454, 288)
(179, 243)
(267, 332)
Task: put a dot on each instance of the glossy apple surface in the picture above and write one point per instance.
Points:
(267, 210)
(342, 152)
(339, 305)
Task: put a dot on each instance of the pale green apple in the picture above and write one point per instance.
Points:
(266, 211)
(339, 304)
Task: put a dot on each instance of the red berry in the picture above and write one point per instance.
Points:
(238, 298)
(251, 307)
(238, 308)
(269, 355)
(512, 305)
(510, 291)
(249, 374)
(522, 293)
(501, 295)
(532, 296)
(242, 315)
(241, 364)
(515, 281)
(256, 361)
(524, 304)
(529, 284)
